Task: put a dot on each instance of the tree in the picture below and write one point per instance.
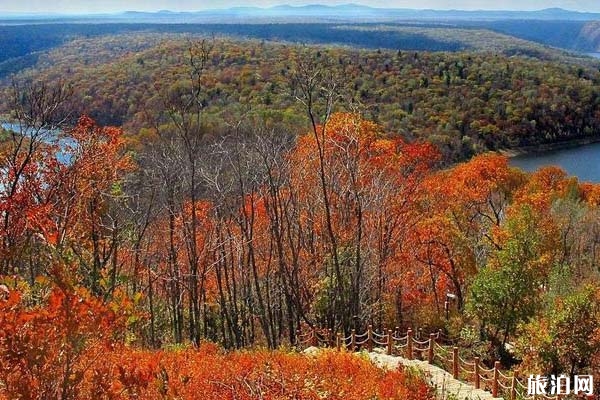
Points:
(318, 89)
(180, 128)
(507, 291)
(88, 187)
(28, 161)
(566, 338)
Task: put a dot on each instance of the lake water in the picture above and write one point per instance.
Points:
(17, 128)
(52, 137)
(582, 161)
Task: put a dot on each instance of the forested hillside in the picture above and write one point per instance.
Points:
(465, 103)
(25, 40)
(258, 189)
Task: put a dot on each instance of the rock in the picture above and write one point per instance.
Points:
(4, 292)
(311, 351)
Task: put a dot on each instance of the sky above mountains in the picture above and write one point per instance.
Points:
(111, 6)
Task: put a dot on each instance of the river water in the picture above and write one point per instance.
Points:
(52, 137)
(581, 161)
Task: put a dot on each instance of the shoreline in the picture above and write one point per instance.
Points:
(547, 147)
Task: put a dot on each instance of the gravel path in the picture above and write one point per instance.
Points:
(445, 385)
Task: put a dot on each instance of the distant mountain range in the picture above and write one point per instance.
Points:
(315, 12)
(360, 12)
(400, 28)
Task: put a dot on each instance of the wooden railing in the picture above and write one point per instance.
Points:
(434, 350)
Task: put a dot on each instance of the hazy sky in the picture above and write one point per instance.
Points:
(96, 6)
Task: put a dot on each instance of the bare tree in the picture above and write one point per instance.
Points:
(181, 130)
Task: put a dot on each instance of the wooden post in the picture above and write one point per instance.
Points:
(495, 382)
(353, 340)
(298, 338)
(370, 338)
(409, 344)
(513, 386)
(420, 333)
(329, 337)
(314, 339)
(477, 381)
(390, 342)
(338, 341)
(430, 350)
(455, 362)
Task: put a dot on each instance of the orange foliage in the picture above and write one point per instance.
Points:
(458, 208)
(97, 162)
(405, 235)
(591, 193)
(543, 187)
(69, 349)
(57, 191)
(208, 373)
(46, 352)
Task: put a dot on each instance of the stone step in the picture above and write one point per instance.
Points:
(446, 387)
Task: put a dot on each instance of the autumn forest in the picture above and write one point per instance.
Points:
(175, 211)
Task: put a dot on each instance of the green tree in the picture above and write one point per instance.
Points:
(507, 291)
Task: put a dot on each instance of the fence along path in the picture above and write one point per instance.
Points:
(410, 350)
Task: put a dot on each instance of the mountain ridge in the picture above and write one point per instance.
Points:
(349, 11)
(355, 10)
